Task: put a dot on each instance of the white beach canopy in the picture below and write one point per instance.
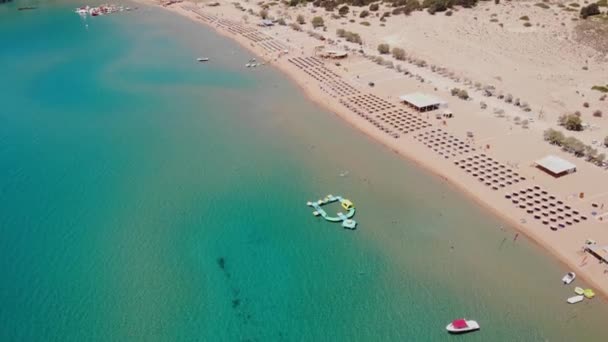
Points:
(422, 102)
(555, 165)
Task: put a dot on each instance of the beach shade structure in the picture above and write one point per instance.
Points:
(555, 166)
(422, 102)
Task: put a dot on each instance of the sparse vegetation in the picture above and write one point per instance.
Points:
(571, 122)
(363, 14)
(448, 13)
(597, 113)
(317, 22)
(343, 11)
(527, 24)
(603, 89)
(525, 18)
(589, 10)
(374, 7)
(460, 93)
(264, 14)
(554, 137)
(542, 5)
(352, 37)
(398, 53)
(281, 22)
(575, 146)
(300, 19)
(384, 48)
(365, 23)
(463, 95)
(295, 27)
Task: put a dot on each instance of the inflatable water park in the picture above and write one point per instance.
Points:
(345, 218)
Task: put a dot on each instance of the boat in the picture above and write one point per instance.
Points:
(589, 293)
(569, 278)
(462, 325)
(248, 65)
(575, 299)
(203, 59)
(579, 290)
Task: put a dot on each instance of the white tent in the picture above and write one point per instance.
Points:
(422, 102)
(555, 166)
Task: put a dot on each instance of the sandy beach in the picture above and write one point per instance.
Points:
(488, 153)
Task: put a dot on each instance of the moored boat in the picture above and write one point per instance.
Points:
(589, 293)
(460, 326)
(203, 59)
(569, 278)
(575, 299)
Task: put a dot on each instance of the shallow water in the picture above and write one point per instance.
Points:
(147, 197)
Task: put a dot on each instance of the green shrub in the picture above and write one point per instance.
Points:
(589, 10)
(603, 89)
(572, 122)
(525, 17)
(353, 37)
(527, 24)
(300, 19)
(363, 14)
(602, 3)
(542, 5)
(341, 33)
(365, 23)
(384, 48)
(554, 137)
(317, 22)
(343, 10)
(398, 53)
(463, 95)
(374, 7)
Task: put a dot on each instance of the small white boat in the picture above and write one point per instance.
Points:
(248, 65)
(460, 326)
(569, 278)
(575, 299)
(203, 59)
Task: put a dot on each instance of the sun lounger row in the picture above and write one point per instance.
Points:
(273, 45)
(370, 103)
(545, 207)
(305, 62)
(403, 121)
(202, 15)
(371, 119)
(443, 143)
(257, 36)
(489, 171)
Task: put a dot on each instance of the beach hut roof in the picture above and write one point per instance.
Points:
(421, 100)
(555, 165)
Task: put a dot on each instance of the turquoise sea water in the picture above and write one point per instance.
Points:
(148, 197)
